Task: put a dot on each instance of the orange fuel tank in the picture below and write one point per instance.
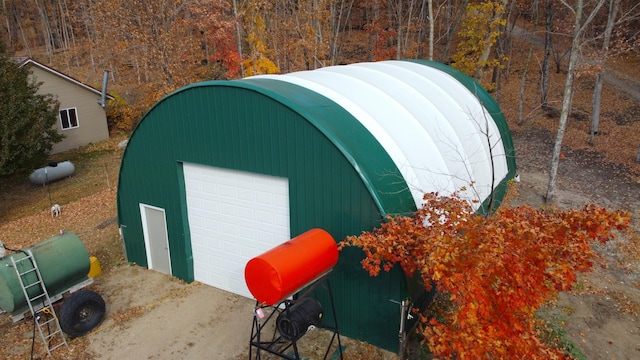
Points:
(285, 269)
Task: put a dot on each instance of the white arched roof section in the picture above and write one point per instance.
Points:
(385, 140)
(421, 154)
(467, 148)
(459, 171)
(477, 119)
(440, 144)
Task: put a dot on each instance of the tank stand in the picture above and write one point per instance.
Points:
(267, 323)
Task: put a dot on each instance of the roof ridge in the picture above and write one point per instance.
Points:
(25, 60)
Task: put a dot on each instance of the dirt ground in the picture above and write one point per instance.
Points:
(168, 319)
(154, 316)
(601, 317)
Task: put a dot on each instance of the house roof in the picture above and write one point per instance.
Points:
(24, 60)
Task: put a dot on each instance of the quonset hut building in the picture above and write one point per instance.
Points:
(219, 172)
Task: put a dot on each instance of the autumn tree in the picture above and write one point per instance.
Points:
(381, 33)
(213, 21)
(27, 119)
(121, 116)
(257, 60)
(479, 32)
(300, 34)
(495, 270)
(157, 46)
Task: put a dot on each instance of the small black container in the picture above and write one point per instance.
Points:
(294, 321)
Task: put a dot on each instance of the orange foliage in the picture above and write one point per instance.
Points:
(383, 44)
(121, 116)
(497, 270)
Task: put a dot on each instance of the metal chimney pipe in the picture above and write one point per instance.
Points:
(103, 98)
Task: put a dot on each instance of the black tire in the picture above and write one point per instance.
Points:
(81, 312)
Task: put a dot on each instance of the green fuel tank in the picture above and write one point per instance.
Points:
(63, 262)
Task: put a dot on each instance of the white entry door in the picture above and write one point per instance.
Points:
(233, 217)
(154, 228)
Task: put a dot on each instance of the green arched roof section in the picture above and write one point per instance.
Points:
(358, 146)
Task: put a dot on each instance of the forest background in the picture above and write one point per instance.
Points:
(151, 48)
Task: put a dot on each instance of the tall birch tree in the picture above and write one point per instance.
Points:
(597, 90)
(578, 29)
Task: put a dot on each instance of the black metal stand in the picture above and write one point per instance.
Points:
(277, 344)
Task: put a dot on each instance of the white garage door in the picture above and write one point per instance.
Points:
(233, 216)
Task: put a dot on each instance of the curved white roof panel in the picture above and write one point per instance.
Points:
(435, 129)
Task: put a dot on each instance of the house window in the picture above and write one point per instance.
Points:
(69, 118)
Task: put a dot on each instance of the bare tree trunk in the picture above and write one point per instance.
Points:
(422, 21)
(597, 91)
(452, 26)
(238, 35)
(544, 76)
(638, 155)
(47, 36)
(9, 30)
(523, 81)
(18, 20)
(595, 108)
(399, 30)
(508, 37)
(566, 99)
(431, 29)
(340, 19)
(408, 32)
(568, 92)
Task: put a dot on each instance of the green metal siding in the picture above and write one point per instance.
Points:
(333, 165)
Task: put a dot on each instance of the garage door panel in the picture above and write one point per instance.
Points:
(246, 213)
(282, 220)
(248, 233)
(281, 201)
(233, 216)
(265, 218)
(195, 185)
(211, 225)
(263, 197)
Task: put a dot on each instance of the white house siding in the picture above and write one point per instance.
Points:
(92, 118)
